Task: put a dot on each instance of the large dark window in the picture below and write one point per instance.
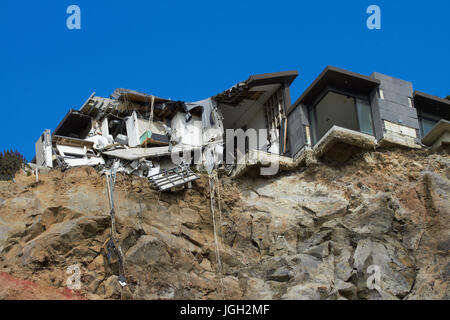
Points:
(427, 123)
(344, 111)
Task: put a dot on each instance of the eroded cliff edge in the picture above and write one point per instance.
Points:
(308, 234)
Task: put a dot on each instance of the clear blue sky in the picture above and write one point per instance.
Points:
(189, 50)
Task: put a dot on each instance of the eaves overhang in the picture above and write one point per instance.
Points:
(339, 79)
(431, 104)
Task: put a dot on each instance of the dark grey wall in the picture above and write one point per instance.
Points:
(376, 117)
(304, 114)
(295, 131)
(395, 106)
(286, 106)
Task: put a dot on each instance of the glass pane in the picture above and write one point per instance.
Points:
(427, 125)
(364, 116)
(312, 117)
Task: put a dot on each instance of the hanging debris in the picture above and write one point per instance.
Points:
(217, 225)
(112, 246)
(171, 178)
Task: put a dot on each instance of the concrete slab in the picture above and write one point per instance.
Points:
(139, 153)
(438, 136)
(340, 143)
(258, 159)
(395, 139)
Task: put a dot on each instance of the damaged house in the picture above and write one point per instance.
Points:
(161, 139)
(168, 141)
(144, 134)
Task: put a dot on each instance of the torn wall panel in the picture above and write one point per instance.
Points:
(142, 132)
(78, 162)
(71, 151)
(186, 133)
(133, 132)
(44, 150)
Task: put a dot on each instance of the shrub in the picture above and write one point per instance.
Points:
(10, 163)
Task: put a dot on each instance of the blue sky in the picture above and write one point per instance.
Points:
(189, 50)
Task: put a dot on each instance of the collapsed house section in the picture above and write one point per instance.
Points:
(130, 131)
(255, 112)
(161, 139)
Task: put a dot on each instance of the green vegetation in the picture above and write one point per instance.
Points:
(10, 163)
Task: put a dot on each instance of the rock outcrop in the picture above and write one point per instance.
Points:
(374, 227)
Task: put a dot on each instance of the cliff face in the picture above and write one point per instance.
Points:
(375, 227)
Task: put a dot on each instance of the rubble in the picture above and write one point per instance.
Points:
(155, 138)
(125, 132)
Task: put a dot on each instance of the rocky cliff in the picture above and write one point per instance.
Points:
(374, 227)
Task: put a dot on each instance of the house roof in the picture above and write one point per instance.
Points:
(432, 104)
(248, 89)
(274, 77)
(135, 96)
(338, 78)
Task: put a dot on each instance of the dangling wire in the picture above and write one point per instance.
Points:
(112, 244)
(216, 241)
(217, 183)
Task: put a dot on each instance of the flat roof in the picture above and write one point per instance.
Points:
(133, 95)
(432, 104)
(241, 90)
(338, 78)
(274, 77)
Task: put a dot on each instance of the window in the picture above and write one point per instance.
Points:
(426, 125)
(364, 116)
(341, 110)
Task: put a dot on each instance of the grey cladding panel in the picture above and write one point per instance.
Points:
(395, 106)
(375, 105)
(295, 131)
(387, 79)
(398, 114)
(282, 137)
(304, 114)
(394, 86)
(397, 98)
